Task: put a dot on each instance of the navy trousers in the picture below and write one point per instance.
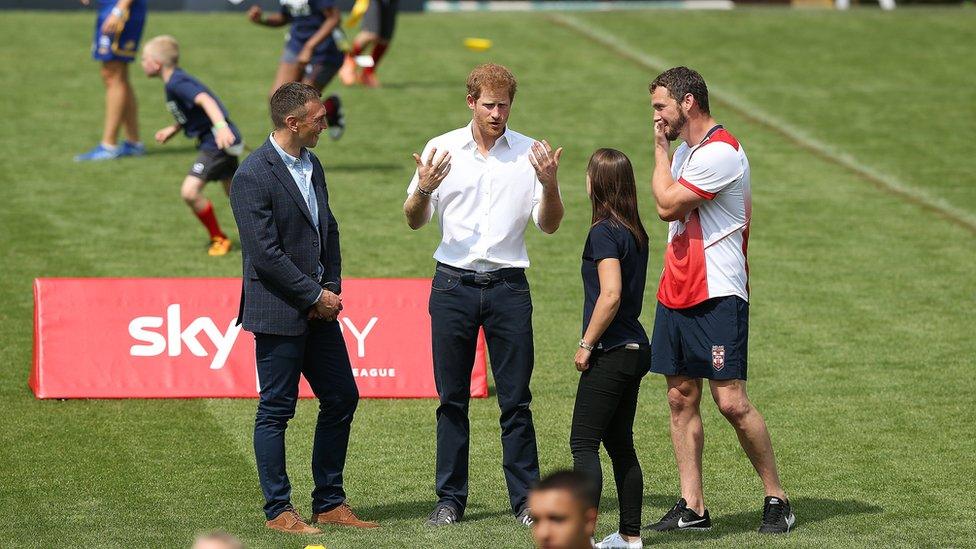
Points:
(320, 354)
(461, 302)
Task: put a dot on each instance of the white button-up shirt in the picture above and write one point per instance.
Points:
(484, 203)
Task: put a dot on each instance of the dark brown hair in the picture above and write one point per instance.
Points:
(491, 77)
(580, 486)
(613, 192)
(680, 81)
(291, 100)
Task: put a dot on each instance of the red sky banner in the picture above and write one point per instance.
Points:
(178, 338)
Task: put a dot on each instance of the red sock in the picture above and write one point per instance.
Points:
(330, 108)
(378, 50)
(209, 221)
(356, 50)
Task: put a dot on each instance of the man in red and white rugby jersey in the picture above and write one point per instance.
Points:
(701, 327)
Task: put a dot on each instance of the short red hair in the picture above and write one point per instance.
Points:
(491, 77)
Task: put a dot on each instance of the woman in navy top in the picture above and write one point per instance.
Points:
(614, 352)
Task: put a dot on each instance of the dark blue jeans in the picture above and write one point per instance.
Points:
(461, 303)
(320, 354)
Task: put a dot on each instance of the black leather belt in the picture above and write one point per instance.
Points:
(481, 280)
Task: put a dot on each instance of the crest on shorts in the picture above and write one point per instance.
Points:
(718, 357)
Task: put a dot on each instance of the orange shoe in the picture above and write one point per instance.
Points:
(289, 521)
(219, 245)
(368, 79)
(347, 73)
(342, 516)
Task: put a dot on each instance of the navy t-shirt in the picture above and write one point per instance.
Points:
(611, 239)
(181, 90)
(307, 18)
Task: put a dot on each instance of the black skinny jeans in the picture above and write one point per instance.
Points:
(606, 401)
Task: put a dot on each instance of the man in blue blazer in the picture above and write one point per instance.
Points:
(290, 301)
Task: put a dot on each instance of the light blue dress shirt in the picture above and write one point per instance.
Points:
(301, 172)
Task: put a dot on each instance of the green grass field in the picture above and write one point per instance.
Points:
(862, 304)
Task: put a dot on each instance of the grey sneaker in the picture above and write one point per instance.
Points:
(443, 515)
(524, 517)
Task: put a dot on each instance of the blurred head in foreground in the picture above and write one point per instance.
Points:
(217, 540)
(563, 513)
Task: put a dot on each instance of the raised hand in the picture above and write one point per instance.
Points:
(660, 136)
(432, 172)
(545, 162)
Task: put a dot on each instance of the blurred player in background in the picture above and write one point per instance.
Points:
(311, 55)
(201, 115)
(118, 29)
(377, 31)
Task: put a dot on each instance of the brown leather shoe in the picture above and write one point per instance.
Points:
(342, 516)
(289, 521)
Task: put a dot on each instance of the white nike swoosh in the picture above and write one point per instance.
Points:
(683, 524)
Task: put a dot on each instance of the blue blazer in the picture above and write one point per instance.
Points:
(281, 247)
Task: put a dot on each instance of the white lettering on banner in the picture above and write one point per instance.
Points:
(155, 343)
(172, 340)
(374, 372)
(176, 336)
(360, 336)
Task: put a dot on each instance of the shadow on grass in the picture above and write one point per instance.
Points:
(808, 511)
(418, 511)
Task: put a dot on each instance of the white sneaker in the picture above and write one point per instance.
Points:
(615, 541)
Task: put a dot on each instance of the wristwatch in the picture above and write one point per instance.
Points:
(584, 345)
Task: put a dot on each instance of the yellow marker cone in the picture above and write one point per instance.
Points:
(477, 44)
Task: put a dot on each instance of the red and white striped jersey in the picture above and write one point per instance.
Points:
(706, 253)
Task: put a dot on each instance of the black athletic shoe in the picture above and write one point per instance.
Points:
(524, 517)
(337, 121)
(443, 515)
(777, 516)
(680, 517)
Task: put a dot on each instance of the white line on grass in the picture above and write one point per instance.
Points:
(882, 180)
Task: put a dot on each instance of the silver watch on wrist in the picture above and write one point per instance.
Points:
(584, 345)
